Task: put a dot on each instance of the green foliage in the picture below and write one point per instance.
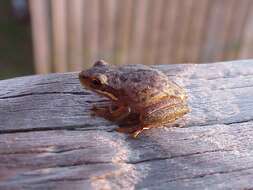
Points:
(16, 57)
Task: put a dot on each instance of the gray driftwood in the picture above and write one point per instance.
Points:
(49, 140)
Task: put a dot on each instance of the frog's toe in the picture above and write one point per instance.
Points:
(133, 131)
(136, 133)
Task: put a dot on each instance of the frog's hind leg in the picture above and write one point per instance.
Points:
(158, 118)
(165, 115)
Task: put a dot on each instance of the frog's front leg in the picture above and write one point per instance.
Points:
(111, 114)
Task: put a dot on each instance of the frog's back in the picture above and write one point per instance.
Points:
(144, 85)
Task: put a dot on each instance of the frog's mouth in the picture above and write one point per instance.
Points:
(107, 94)
(101, 90)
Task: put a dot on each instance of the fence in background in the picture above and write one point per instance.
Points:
(70, 35)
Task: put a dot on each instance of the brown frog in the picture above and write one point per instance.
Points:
(136, 89)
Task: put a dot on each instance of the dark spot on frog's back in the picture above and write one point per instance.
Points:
(143, 99)
(123, 78)
(144, 91)
(136, 79)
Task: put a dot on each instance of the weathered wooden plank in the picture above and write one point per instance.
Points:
(175, 157)
(48, 139)
(223, 95)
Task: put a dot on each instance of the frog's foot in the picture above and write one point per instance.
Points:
(99, 111)
(133, 131)
(139, 131)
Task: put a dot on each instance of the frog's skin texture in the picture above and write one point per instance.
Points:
(136, 89)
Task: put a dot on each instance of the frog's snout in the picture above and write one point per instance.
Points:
(82, 76)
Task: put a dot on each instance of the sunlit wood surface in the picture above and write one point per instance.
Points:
(49, 140)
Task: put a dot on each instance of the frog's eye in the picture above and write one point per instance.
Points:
(96, 82)
(102, 78)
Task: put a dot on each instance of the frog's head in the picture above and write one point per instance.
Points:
(96, 79)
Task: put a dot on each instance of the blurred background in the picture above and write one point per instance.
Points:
(43, 36)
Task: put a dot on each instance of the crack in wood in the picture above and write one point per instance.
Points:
(68, 128)
(87, 127)
(214, 122)
(211, 173)
(44, 93)
(177, 156)
(239, 122)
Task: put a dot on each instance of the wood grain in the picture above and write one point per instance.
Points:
(49, 140)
